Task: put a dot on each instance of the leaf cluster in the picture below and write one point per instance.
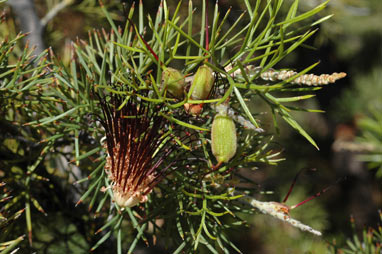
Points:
(369, 243)
(58, 103)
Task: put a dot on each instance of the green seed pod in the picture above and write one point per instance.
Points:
(223, 138)
(173, 81)
(202, 84)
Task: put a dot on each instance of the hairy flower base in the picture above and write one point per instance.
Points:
(127, 192)
(126, 200)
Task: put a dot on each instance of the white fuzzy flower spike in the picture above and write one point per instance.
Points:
(278, 211)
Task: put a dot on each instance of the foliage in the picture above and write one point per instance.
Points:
(19, 146)
(362, 105)
(7, 216)
(369, 244)
(371, 138)
(355, 23)
(56, 109)
(362, 97)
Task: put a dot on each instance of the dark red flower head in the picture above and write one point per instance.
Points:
(136, 148)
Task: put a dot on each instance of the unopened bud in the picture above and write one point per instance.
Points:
(173, 81)
(202, 84)
(223, 138)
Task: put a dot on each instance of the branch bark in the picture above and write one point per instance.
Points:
(29, 22)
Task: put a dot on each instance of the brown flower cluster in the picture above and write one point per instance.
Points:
(135, 147)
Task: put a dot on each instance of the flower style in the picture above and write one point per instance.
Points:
(135, 148)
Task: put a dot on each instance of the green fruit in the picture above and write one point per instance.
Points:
(202, 84)
(223, 138)
(173, 81)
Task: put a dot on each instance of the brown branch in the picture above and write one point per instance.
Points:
(29, 22)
